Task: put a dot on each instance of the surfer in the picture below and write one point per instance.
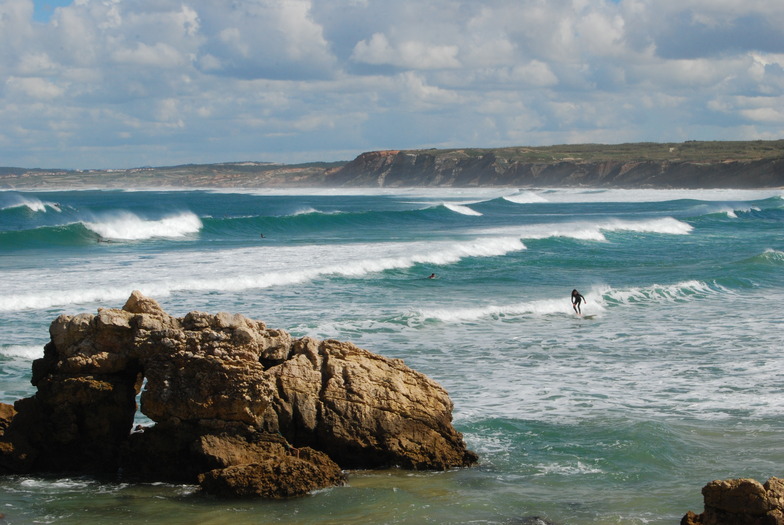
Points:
(431, 276)
(577, 298)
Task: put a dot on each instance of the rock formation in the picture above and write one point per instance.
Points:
(239, 408)
(740, 502)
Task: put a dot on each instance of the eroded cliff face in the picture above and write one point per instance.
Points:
(238, 407)
(423, 169)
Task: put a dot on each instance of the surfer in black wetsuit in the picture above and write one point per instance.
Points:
(577, 298)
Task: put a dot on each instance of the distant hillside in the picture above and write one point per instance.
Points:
(692, 164)
(223, 175)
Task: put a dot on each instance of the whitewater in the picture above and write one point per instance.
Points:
(671, 378)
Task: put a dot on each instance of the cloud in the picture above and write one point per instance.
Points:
(264, 39)
(159, 55)
(111, 83)
(409, 54)
(33, 88)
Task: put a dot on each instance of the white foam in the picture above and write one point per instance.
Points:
(680, 291)
(306, 211)
(47, 298)
(21, 351)
(576, 195)
(58, 485)
(772, 255)
(572, 469)
(592, 231)
(731, 211)
(32, 203)
(538, 307)
(462, 209)
(234, 270)
(597, 301)
(476, 194)
(668, 225)
(525, 197)
(127, 226)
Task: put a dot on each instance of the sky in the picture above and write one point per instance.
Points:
(95, 84)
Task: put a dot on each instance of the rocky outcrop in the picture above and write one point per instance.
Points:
(239, 408)
(362, 409)
(740, 502)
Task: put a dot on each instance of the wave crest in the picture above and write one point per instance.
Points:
(462, 209)
(770, 257)
(229, 270)
(525, 197)
(31, 203)
(126, 226)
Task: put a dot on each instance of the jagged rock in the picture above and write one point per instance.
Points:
(227, 460)
(362, 409)
(227, 395)
(278, 470)
(740, 502)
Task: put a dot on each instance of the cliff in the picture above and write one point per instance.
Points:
(477, 168)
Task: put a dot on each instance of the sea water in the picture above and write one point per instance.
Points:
(672, 377)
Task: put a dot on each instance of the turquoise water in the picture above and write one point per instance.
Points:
(672, 378)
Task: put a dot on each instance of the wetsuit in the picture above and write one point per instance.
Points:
(577, 298)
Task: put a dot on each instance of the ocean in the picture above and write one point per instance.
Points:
(672, 377)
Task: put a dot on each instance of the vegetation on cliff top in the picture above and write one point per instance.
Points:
(689, 151)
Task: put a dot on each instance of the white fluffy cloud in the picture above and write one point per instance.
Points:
(110, 83)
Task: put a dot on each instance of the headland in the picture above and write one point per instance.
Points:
(684, 165)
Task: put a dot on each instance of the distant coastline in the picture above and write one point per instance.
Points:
(691, 164)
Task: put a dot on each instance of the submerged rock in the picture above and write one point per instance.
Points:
(240, 408)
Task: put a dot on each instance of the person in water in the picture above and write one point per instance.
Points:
(431, 276)
(577, 298)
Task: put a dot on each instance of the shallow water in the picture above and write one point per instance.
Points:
(672, 378)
